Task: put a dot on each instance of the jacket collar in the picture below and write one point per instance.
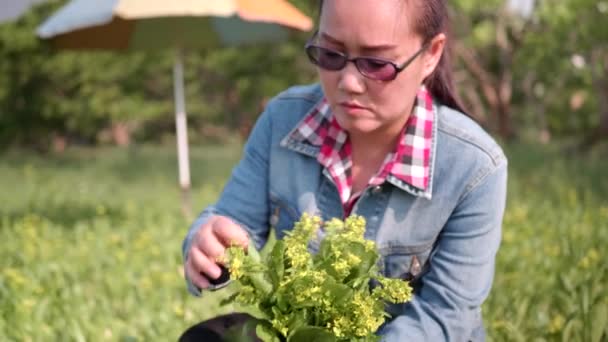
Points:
(296, 141)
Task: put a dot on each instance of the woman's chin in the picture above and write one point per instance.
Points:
(360, 127)
(359, 124)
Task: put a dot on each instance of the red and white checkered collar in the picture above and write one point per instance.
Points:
(409, 163)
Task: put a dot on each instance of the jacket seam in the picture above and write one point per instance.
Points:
(311, 95)
(288, 97)
(496, 157)
(481, 178)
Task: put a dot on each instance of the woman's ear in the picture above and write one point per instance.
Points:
(433, 54)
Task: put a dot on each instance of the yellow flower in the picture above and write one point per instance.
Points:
(557, 324)
(353, 260)
(394, 290)
(590, 259)
(121, 255)
(236, 259)
(340, 326)
(28, 304)
(367, 319)
(178, 310)
(509, 236)
(101, 210)
(308, 289)
(145, 283)
(594, 255)
(342, 267)
(115, 239)
(355, 227)
(552, 251)
(14, 276)
(280, 324)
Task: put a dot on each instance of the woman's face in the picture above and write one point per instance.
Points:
(378, 29)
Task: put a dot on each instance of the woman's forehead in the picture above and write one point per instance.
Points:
(370, 22)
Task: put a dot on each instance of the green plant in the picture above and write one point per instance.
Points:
(325, 296)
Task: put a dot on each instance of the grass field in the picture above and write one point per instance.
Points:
(90, 246)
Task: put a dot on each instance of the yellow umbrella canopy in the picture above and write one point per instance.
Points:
(149, 24)
(273, 11)
(178, 24)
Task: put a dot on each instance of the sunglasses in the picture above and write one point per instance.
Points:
(371, 67)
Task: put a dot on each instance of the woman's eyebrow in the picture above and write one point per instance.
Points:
(371, 48)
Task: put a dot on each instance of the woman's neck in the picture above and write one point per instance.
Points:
(376, 143)
(368, 155)
(371, 148)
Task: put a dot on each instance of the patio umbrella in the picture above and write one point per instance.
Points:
(13, 9)
(177, 24)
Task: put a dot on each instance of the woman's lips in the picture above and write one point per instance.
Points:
(352, 107)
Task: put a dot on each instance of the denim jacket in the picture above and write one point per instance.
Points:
(443, 239)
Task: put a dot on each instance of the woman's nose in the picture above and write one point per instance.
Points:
(351, 79)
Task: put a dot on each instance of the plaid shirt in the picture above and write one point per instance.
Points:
(409, 161)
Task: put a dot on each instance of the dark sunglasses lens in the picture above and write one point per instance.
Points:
(325, 58)
(376, 69)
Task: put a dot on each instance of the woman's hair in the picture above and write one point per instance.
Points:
(431, 19)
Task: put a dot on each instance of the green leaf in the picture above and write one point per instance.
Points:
(282, 302)
(324, 249)
(269, 246)
(340, 293)
(230, 299)
(569, 329)
(255, 312)
(276, 263)
(522, 309)
(298, 320)
(368, 260)
(266, 333)
(309, 334)
(242, 333)
(566, 283)
(599, 318)
(327, 266)
(253, 253)
(260, 283)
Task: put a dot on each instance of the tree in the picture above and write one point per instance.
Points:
(45, 93)
(488, 37)
(568, 58)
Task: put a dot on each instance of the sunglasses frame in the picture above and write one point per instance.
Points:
(396, 67)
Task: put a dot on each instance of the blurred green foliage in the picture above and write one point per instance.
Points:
(522, 77)
(91, 245)
(74, 93)
(92, 241)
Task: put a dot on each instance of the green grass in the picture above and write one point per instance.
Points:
(91, 245)
(552, 277)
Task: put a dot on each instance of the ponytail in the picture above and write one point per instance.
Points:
(441, 83)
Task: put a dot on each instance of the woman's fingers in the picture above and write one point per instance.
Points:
(229, 233)
(209, 244)
(202, 264)
(208, 249)
(195, 277)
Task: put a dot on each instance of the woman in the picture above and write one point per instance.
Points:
(383, 136)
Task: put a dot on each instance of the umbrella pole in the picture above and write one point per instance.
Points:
(181, 127)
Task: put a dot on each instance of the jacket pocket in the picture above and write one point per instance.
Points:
(282, 215)
(405, 262)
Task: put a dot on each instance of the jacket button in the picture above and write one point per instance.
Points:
(376, 189)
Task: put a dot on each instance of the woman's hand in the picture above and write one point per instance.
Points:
(208, 247)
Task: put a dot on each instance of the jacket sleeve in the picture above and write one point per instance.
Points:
(244, 198)
(447, 306)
